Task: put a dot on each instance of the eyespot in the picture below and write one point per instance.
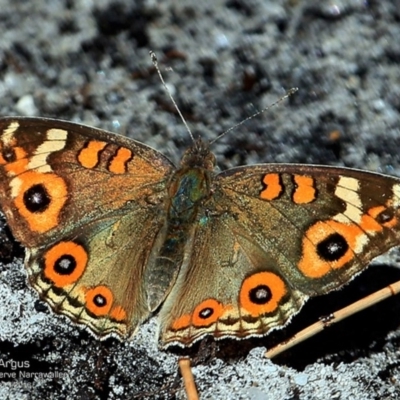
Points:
(39, 199)
(65, 263)
(333, 247)
(99, 300)
(261, 293)
(207, 312)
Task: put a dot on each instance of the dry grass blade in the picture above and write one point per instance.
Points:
(345, 312)
(188, 379)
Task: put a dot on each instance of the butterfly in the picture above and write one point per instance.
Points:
(115, 233)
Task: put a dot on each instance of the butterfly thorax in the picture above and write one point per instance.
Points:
(198, 156)
(190, 184)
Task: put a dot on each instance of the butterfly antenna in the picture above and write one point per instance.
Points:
(288, 94)
(155, 63)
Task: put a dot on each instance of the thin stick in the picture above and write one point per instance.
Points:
(188, 379)
(345, 312)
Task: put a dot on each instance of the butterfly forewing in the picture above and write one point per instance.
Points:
(328, 222)
(57, 176)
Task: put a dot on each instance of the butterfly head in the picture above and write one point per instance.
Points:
(199, 156)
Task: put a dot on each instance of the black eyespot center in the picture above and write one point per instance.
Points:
(65, 265)
(333, 247)
(99, 300)
(9, 155)
(206, 313)
(260, 294)
(37, 199)
(385, 216)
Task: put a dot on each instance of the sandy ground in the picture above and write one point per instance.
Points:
(88, 61)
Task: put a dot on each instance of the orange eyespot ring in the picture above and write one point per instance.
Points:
(50, 188)
(207, 312)
(99, 300)
(261, 293)
(65, 263)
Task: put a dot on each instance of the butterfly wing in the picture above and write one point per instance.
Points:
(97, 276)
(56, 176)
(89, 207)
(272, 236)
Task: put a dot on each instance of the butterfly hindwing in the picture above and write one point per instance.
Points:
(97, 277)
